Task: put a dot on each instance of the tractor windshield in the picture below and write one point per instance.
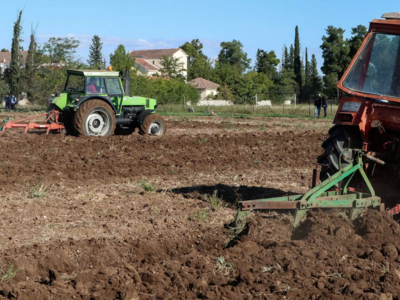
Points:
(75, 83)
(377, 68)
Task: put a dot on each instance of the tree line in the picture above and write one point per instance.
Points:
(42, 72)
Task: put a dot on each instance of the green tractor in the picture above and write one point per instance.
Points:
(94, 103)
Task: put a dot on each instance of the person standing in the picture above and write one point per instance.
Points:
(317, 104)
(7, 101)
(324, 104)
(13, 102)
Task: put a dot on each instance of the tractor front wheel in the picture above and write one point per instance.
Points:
(94, 118)
(153, 125)
(336, 144)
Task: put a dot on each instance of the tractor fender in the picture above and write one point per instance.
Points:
(144, 114)
(76, 106)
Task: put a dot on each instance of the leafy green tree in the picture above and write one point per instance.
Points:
(358, 35)
(225, 93)
(266, 62)
(15, 64)
(60, 51)
(171, 66)
(4, 50)
(232, 53)
(173, 90)
(198, 63)
(315, 79)
(335, 52)
(95, 57)
(297, 60)
(121, 60)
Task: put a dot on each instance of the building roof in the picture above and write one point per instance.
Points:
(5, 57)
(86, 72)
(146, 64)
(155, 53)
(203, 84)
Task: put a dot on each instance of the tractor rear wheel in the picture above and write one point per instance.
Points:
(94, 118)
(336, 144)
(153, 125)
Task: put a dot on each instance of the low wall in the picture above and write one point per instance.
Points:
(212, 103)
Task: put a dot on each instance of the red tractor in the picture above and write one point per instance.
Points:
(369, 118)
(362, 152)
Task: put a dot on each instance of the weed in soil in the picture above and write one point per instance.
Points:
(38, 190)
(146, 186)
(201, 215)
(8, 274)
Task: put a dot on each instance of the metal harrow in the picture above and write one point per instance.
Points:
(53, 115)
(320, 198)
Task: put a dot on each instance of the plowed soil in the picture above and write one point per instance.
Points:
(133, 217)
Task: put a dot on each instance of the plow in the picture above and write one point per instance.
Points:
(368, 117)
(28, 124)
(320, 197)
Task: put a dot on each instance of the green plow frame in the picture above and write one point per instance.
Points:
(319, 197)
(5, 122)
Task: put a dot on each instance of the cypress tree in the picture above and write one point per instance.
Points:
(286, 59)
(30, 65)
(15, 64)
(307, 71)
(291, 57)
(297, 60)
(315, 79)
(95, 57)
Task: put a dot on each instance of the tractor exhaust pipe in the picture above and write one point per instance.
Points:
(127, 82)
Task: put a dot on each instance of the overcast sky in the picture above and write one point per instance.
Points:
(263, 24)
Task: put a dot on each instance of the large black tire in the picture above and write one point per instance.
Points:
(338, 143)
(94, 118)
(153, 125)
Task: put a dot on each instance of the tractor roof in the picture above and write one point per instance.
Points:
(94, 73)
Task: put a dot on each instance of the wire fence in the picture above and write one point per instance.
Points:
(283, 106)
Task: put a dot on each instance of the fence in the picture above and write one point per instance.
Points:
(263, 107)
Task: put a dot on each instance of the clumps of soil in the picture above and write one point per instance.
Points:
(336, 259)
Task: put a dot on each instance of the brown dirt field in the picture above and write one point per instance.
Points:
(128, 217)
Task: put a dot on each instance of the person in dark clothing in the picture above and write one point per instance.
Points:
(13, 102)
(7, 101)
(317, 104)
(324, 104)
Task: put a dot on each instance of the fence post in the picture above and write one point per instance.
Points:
(309, 107)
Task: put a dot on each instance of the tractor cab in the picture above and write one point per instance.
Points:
(88, 83)
(375, 69)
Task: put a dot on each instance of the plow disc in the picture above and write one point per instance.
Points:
(28, 124)
(320, 198)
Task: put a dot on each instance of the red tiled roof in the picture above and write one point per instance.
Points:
(146, 64)
(203, 84)
(5, 57)
(155, 53)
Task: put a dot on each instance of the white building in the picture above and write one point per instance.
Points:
(5, 59)
(205, 87)
(148, 61)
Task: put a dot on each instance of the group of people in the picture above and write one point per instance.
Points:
(320, 101)
(10, 101)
